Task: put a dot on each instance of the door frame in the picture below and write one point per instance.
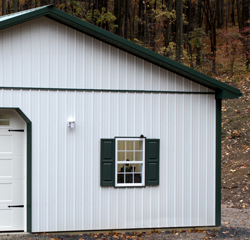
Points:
(28, 166)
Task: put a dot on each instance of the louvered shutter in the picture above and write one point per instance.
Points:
(107, 162)
(152, 162)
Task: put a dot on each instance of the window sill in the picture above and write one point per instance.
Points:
(129, 186)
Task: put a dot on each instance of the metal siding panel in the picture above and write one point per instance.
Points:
(62, 56)
(163, 79)
(202, 163)
(179, 82)
(79, 163)
(139, 115)
(131, 115)
(164, 161)
(172, 160)
(139, 75)
(16, 47)
(171, 86)
(97, 120)
(155, 195)
(131, 71)
(146, 221)
(44, 54)
(147, 76)
(80, 60)
(65, 190)
(35, 56)
(97, 64)
(179, 161)
(114, 71)
(52, 121)
(187, 125)
(53, 55)
(7, 58)
(139, 208)
(62, 153)
(105, 66)
(195, 160)
(122, 68)
(156, 78)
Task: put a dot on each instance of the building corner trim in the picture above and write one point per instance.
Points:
(218, 165)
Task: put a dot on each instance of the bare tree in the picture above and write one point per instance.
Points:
(179, 31)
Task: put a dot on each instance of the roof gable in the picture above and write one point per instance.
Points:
(222, 90)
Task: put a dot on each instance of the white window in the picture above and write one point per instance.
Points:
(4, 119)
(130, 162)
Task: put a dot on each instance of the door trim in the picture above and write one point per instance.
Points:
(29, 166)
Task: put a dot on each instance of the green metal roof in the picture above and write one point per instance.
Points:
(222, 90)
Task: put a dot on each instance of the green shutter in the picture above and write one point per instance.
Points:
(152, 162)
(107, 162)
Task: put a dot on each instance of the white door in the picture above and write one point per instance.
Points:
(12, 171)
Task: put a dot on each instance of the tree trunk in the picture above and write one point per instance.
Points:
(198, 44)
(43, 2)
(3, 7)
(238, 13)
(232, 13)
(15, 5)
(153, 35)
(246, 24)
(179, 31)
(188, 13)
(213, 45)
(220, 11)
(8, 8)
(129, 20)
(118, 15)
(168, 24)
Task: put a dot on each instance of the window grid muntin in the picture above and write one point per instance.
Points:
(133, 162)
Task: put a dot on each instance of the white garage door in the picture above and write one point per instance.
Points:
(12, 171)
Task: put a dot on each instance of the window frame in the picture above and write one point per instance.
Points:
(143, 162)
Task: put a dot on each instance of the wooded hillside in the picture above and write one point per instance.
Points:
(211, 36)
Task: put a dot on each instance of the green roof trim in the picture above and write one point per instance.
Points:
(221, 89)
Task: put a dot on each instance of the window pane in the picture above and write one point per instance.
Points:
(120, 168)
(129, 178)
(121, 156)
(138, 156)
(129, 168)
(4, 123)
(4, 116)
(129, 156)
(120, 178)
(137, 168)
(129, 145)
(138, 145)
(137, 178)
(121, 145)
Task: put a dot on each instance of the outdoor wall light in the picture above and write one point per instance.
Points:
(71, 123)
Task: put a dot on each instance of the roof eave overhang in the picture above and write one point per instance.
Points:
(222, 90)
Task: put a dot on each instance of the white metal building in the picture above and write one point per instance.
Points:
(99, 133)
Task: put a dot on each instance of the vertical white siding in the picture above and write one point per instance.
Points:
(66, 192)
(47, 54)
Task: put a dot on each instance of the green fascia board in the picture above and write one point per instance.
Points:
(221, 89)
(23, 16)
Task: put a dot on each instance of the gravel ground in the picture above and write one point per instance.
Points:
(235, 225)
